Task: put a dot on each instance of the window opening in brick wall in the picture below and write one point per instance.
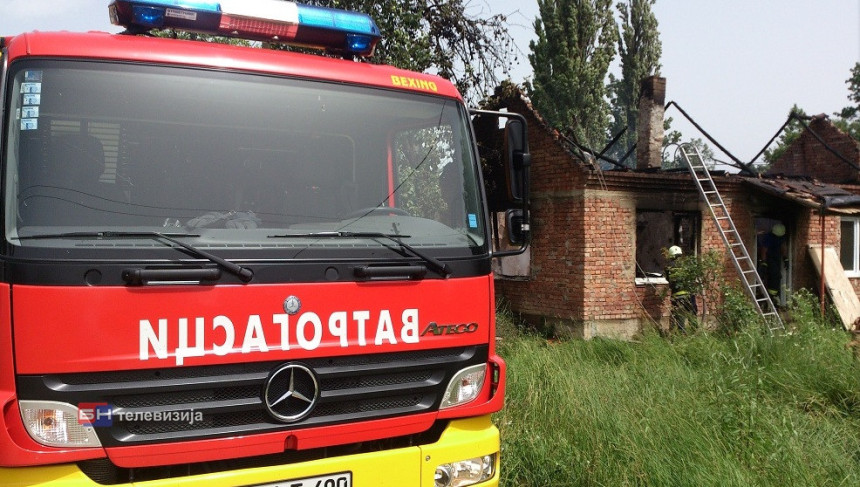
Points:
(657, 230)
(849, 247)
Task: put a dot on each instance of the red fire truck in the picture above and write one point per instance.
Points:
(228, 265)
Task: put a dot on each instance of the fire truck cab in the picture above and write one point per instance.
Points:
(230, 265)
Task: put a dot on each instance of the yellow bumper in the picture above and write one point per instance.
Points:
(404, 467)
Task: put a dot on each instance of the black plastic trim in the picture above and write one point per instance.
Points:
(106, 473)
(390, 272)
(140, 277)
(229, 397)
(101, 273)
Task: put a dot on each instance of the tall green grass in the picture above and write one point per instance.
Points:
(740, 408)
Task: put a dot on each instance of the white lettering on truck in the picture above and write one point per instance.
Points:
(307, 334)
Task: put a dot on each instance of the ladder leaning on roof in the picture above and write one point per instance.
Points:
(734, 244)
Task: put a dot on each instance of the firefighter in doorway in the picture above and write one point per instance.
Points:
(683, 300)
(772, 258)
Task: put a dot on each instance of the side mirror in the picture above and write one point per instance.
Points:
(505, 161)
(517, 159)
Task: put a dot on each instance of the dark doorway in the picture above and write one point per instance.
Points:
(773, 257)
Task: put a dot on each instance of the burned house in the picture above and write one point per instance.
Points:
(596, 263)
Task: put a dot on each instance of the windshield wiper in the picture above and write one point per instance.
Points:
(243, 273)
(432, 262)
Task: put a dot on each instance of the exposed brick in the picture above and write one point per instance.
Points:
(584, 227)
(808, 157)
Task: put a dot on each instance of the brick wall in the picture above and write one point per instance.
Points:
(808, 157)
(609, 248)
(583, 246)
(555, 287)
(855, 283)
(736, 198)
(808, 231)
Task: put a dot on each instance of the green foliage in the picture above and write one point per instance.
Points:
(194, 36)
(689, 272)
(672, 158)
(849, 117)
(791, 132)
(574, 47)
(702, 409)
(804, 308)
(853, 111)
(639, 49)
(847, 120)
(439, 36)
(701, 275)
(427, 36)
(736, 312)
(849, 126)
(419, 156)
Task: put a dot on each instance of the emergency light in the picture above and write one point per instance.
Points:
(336, 31)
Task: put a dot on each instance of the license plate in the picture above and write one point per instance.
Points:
(343, 479)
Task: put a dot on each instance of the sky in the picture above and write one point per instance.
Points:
(738, 66)
(735, 66)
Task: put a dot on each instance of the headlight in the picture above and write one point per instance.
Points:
(56, 424)
(466, 472)
(465, 386)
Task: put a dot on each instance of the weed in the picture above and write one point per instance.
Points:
(743, 407)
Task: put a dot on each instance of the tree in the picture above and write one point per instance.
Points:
(639, 49)
(849, 117)
(847, 120)
(672, 158)
(420, 156)
(426, 36)
(570, 57)
(439, 36)
(853, 82)
(195, 36)
(789, 134)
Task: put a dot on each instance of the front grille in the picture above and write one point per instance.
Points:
(225, 400)
(184, 397)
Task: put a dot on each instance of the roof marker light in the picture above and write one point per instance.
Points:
(143, 15)
(149, 16)
(336, 31)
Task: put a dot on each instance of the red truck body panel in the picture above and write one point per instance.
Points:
(99, 45)
(87, 329)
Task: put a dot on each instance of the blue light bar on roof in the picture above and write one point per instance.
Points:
(336, 31)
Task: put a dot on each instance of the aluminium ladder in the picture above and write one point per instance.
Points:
(734, 244)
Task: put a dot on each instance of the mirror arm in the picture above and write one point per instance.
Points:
(522, 159)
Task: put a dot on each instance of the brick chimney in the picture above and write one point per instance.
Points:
(649, 133)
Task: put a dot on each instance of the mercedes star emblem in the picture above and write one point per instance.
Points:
(291, 392)
(292, 305)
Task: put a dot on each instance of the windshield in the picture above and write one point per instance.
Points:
(232, 160)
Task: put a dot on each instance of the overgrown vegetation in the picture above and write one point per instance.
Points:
(733, 407)
(702, 275)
